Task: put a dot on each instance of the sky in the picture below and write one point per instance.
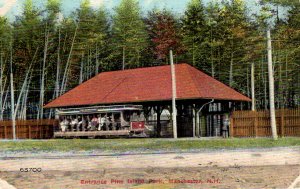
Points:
(12, 8)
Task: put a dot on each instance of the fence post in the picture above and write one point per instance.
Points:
(255, 123)
(282, 122)
(29, 131)
(17, 130)
(46, 130)
(5, 132)
(231, 126)
(41, 132)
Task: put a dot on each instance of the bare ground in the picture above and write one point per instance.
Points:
(219, 169)
(211, 177)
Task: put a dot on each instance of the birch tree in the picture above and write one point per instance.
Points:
(5, 38)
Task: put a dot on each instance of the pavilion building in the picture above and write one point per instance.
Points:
(202, 102)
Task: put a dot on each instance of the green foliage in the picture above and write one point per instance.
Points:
(194, 30)
(53, 10)
(28, 35)
(5, 34)
(164, 33)
(282, 2)
(235, 33)
(220, 38)
(53, 6)
(129, 34)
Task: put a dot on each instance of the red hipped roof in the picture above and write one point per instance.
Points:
(146, 84)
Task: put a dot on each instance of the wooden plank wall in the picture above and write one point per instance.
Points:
(257, 123)
(28, 129)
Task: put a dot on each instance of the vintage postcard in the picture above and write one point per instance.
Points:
(160, 94)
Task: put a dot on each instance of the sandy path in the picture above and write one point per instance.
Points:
(5, 185)
(231, 178)
(295, 184)
(254, 168)
(283, 156)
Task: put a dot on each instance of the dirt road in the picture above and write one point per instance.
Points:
(260, 168)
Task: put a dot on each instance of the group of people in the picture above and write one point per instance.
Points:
(89, 123)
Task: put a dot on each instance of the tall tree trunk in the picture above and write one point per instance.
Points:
(123, 62)
(264, 84)
(193, 51)
(23, 111)
(57, 67)
(1, 87)
(253, 106)
(286, 77)
(66, 72)
(89, 65)
(271, 88)
(212, 55)
(12, 97)
(231, 70)
(24, 86)
(3, 101)
(248, 90)
(97, 61)
(42, 92)
(81, 69)
(280, 88)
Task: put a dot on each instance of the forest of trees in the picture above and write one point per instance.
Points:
(49, 53)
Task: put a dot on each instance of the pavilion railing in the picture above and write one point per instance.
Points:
(28, 129)
(257, 123)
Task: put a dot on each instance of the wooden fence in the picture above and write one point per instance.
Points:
(28, 129)
(257, 123)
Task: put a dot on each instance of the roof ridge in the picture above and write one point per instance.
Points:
(142, 68)
(147, 84)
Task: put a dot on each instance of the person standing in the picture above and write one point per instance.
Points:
(94, 123)
(84, 123)
(64, 125)
(225, 126)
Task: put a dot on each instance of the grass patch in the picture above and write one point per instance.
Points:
(123, 145)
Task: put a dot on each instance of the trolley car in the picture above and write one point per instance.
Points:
(101, 121)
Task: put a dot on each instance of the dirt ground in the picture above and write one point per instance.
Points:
(272, 168)
(206, 177)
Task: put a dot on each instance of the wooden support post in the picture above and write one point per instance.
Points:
(197, 125)
(147, 111)
(158, 124)
(174, 96)
(282, 123)
(212, 124)
(194, 121)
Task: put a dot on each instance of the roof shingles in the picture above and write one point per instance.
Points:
(146, 84)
